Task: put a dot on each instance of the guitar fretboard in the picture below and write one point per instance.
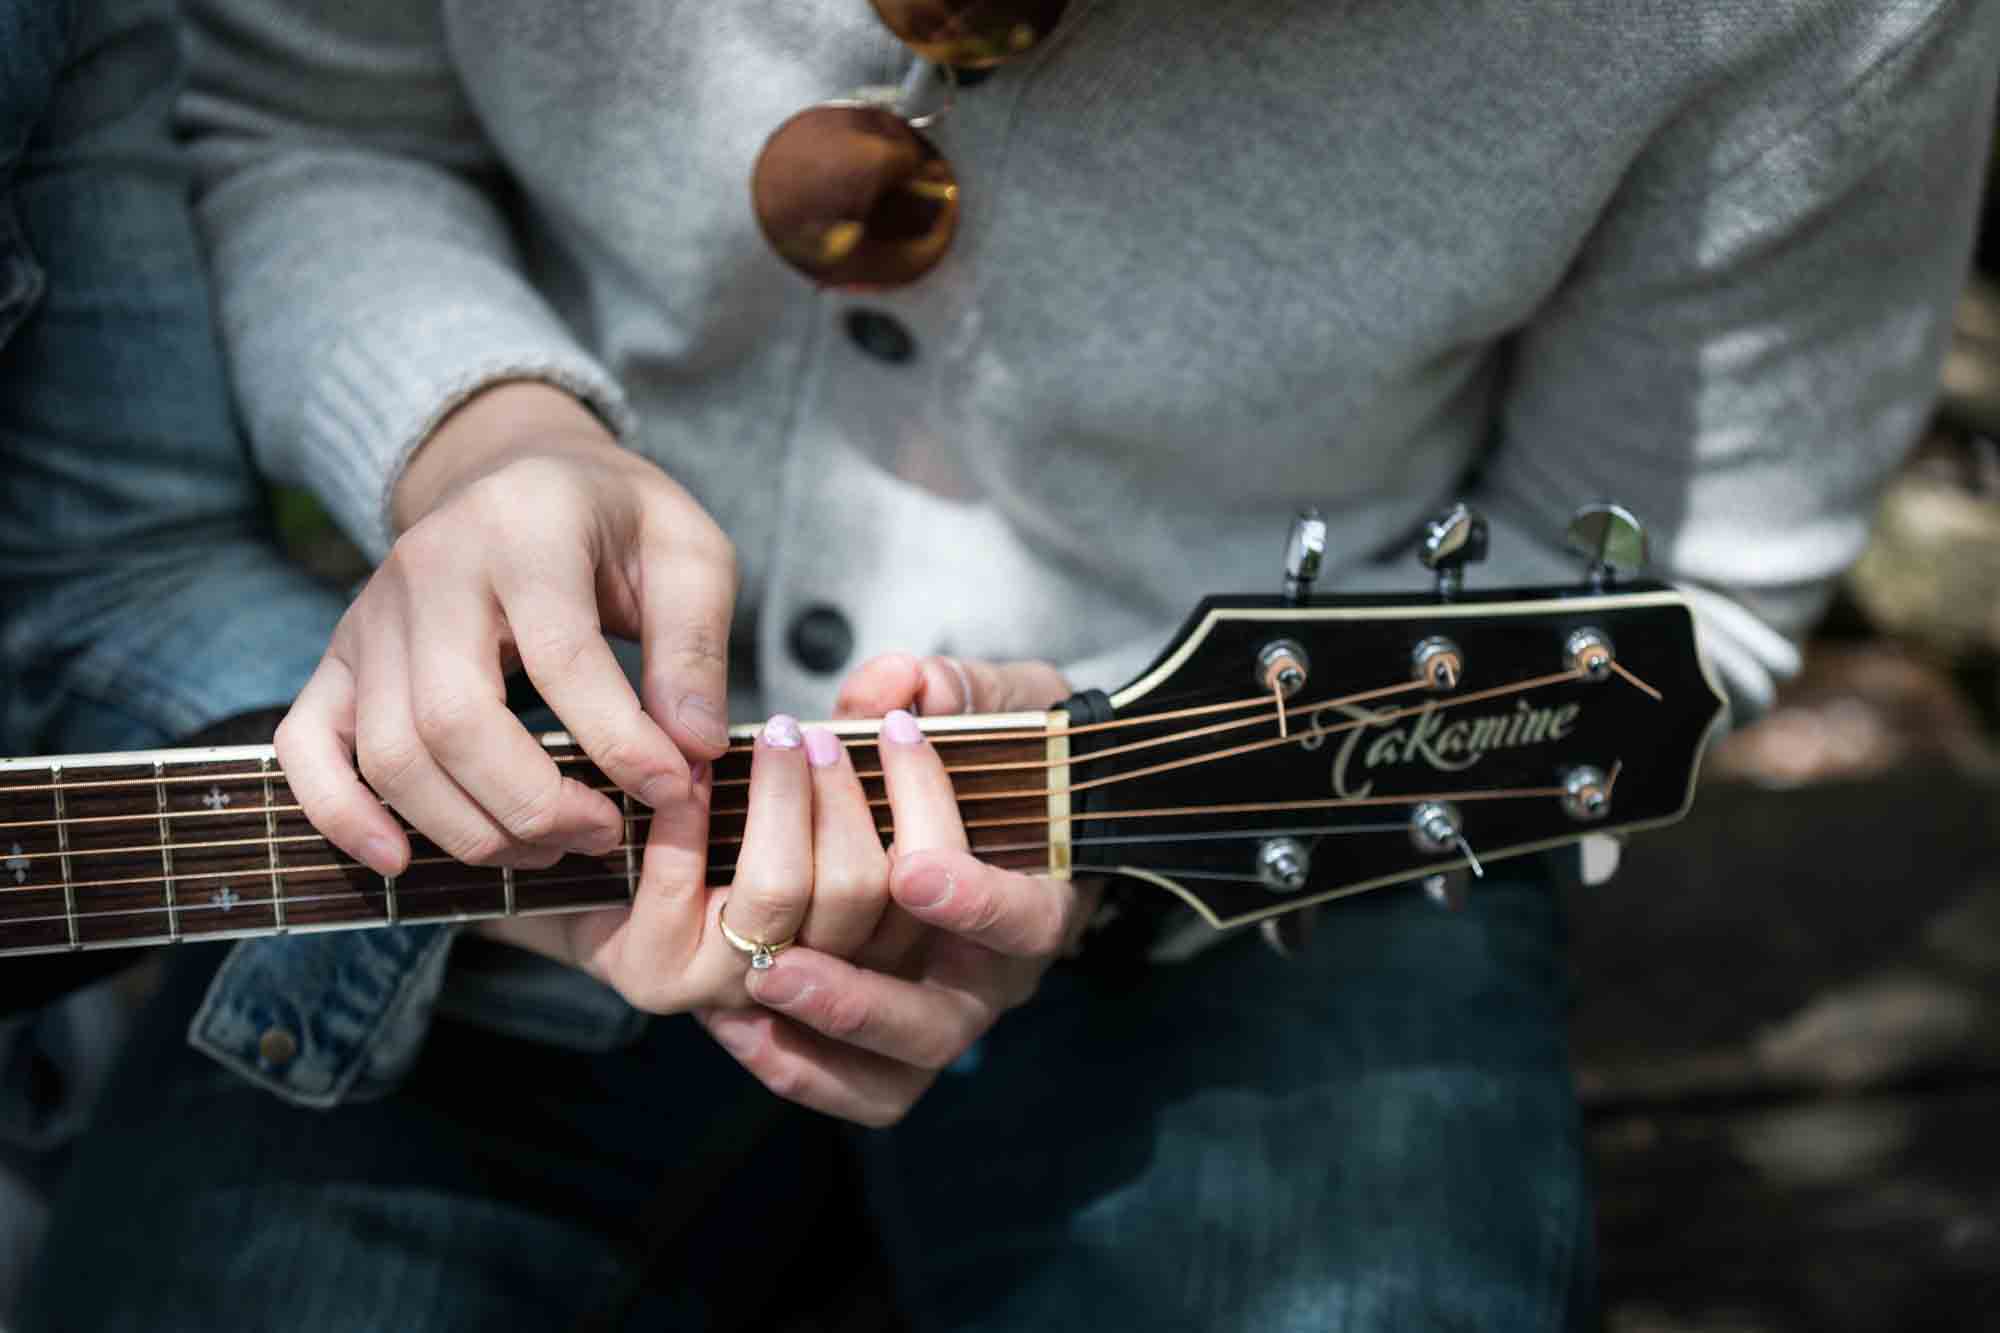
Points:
(111, 850)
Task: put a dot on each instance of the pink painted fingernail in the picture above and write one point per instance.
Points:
(901, 728)
(822, 747)
(782, 731)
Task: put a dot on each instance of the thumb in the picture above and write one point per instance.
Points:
(967, 685)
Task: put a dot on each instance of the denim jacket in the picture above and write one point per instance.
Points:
(320, 1019)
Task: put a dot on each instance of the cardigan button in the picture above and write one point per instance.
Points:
(881, 336)
(821, 639)
(276, 1047)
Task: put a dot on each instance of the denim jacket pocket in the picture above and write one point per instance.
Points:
(21, 280)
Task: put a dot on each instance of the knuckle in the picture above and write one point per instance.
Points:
(985, 913)
(431, 544)
(483, 848)
(623, 755)
(441, 717)
(387, 763)
(785, 1077)
(535, 816)
(851, 886)
(846, 1016)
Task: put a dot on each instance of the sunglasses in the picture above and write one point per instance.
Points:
(850, 192)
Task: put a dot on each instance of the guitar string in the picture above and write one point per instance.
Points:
(540, 879)
(943, 737)
(1377, 719)
(225, 812)
(951, 737)
(1162, 812)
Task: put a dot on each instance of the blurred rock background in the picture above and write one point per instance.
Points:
(1787, 1030)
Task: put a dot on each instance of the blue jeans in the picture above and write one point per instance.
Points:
(1378, 1136)
(141, 594)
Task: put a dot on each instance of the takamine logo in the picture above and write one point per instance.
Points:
(1448, 744)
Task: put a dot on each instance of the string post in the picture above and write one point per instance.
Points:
(1438, 664)
(1281, 667)
(1435, 827)
(1283, 864)
(1586, 794)
(1589, 653)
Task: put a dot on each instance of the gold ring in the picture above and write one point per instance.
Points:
(760, 953)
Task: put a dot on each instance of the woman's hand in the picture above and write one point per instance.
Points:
(527, 534)
(667, 953)
(905, 958)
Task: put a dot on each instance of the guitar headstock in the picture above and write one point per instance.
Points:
(1282, 752)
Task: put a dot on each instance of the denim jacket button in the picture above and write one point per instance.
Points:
(277, 1047)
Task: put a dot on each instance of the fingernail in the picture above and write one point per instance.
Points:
(383, 852)
(602, 842)
(901, 728)
(702, 718)
(779, 986)
(822, 746)
(699, 773)
(927, 888)
(782, 731)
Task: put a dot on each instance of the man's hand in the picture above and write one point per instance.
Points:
(949, 943)
(527, 534)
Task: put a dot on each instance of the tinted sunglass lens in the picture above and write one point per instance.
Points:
(851, 196)
(971, 34)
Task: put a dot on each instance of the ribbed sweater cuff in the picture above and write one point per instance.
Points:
(377, 397)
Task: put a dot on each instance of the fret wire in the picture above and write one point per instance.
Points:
(389, 897)
(271, 832)
(166, 851)
(62, 847)
(631, 866)
(507, 890)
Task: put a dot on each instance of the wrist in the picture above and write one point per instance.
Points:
(500, 421)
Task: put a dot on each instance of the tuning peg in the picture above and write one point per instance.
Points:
(1303, 550)
(1611, 539)
(1451, 541)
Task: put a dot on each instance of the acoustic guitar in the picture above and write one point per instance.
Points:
(1282, 751)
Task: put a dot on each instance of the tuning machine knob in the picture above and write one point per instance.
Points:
(1611, 540)
(1304, 549)
(1451, 541)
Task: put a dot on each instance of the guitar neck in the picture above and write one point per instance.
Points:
(103, 851)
